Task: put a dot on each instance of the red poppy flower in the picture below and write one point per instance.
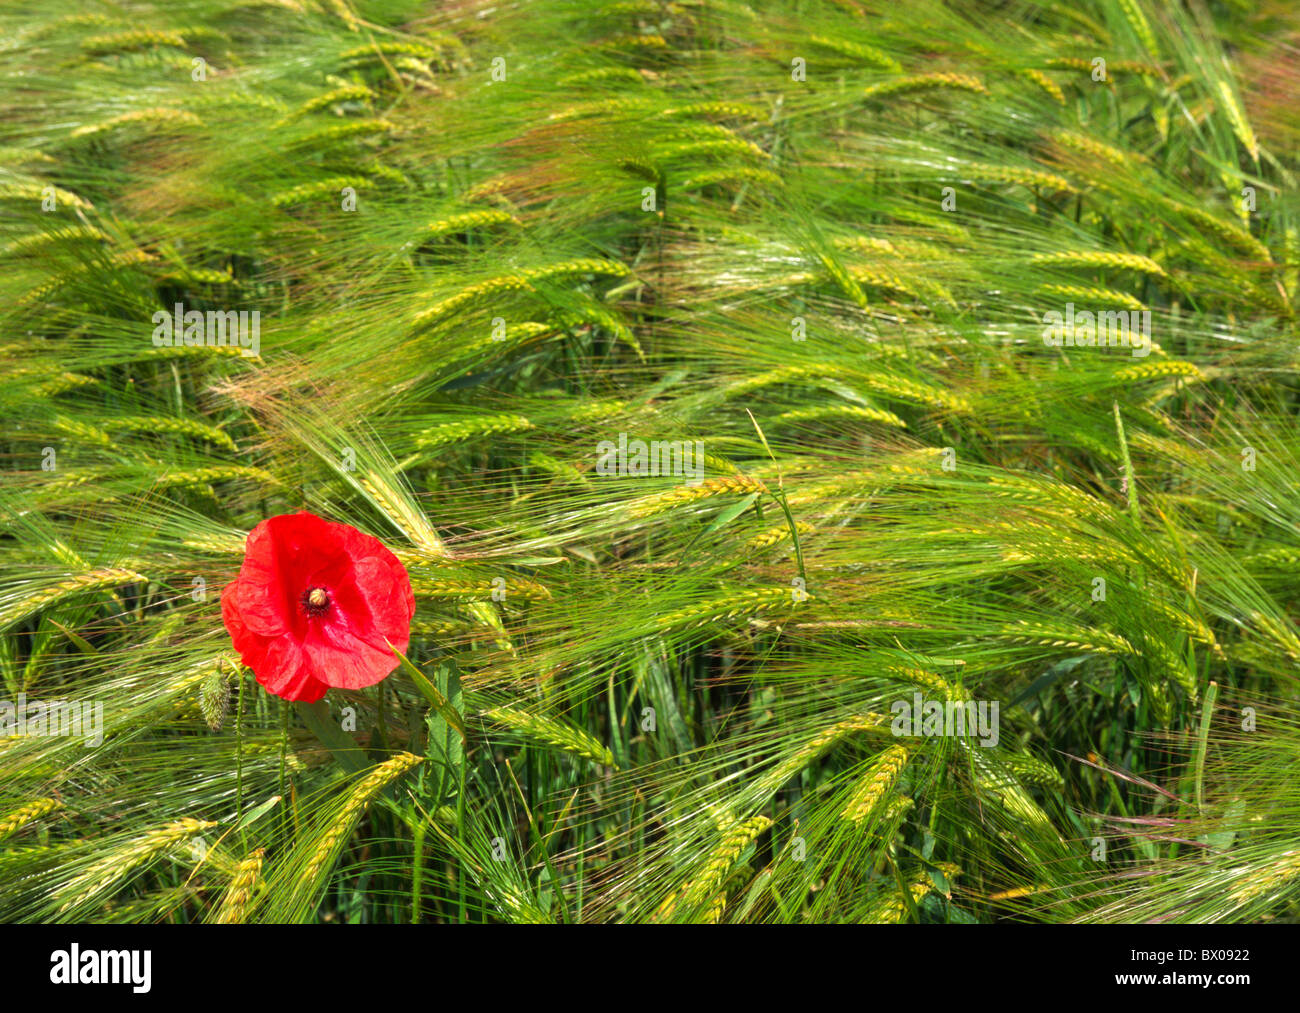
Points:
(313, 605)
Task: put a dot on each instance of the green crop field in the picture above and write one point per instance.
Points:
(804, 462)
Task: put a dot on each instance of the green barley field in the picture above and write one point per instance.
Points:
(735, 462)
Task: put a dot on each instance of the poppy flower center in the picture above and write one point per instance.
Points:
(315, 600)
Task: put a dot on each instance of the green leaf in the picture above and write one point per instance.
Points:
(81, 642)
(430, 691)
(445, 748)
(1057, 671)
(257, 812)
(731, 513)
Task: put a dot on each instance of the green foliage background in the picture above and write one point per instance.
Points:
(576, 220)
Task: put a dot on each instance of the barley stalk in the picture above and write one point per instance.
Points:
(1280, 634)
(1095, 149)
(63, 382)
(362, 794)
(1141, 27)
(858, 51)
(714, 146)
(83, 432)
(706, 886)
(597, 411)
(87, 20)
(222, 545)
(215, 473)
(578, 267)
(1155, 370)
(906, 390)
(744, 604)
(112, 869)
(199, 276)
(1086, 293)
(590, 315)
(773, 536)
(736, 174)
(517, 588)
(1281, 558)
(814, 747)
(135, 39)
(519, 281)
(1237, 117)
(24, 156)
(1051, 494)
(235, 903)
(927, 82)
(245, 100)
(843, 279)
(892, 908)
(155, 116)
(344, 131)
(322, 188)
(29, 813)
(445, 628)
(1011, 795)
(198, 351)
(601, 75)
(1267, 878)
(927, 680)
(689, 494)
(398, 508)
(1034, 771)
(560, 469)
(389, 48)
(471, 428)
(296, 761)
(1235, 236)
(1044, 82)
(94, 580)
(843, 411)
(634, 42)
(783, 374)
(1022, 177)
(881, 278)
(1088, 639)
(552, 732)
(517, 335)
(470, 220)
(602, 107)
(1101, 258)
(345, 93)
(875, 784)
(718, 110)
(38, 241)
(184, 427)
(35, 192)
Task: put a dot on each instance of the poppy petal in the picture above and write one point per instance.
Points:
(298, 646)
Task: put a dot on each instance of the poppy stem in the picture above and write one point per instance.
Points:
(417, 873)
(239, 761)
(284, 751)
(342, 746)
